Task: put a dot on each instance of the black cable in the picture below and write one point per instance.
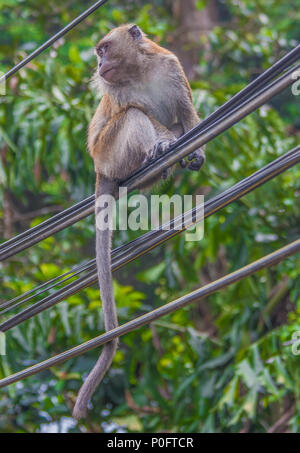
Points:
(45, 287)
(50, 227)
(58, 223)
(259, 82)
(47, 222)
(265, 262)
(155, 238)
(52, 40)
(28, 296)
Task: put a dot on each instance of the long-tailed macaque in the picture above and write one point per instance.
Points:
(147, 105)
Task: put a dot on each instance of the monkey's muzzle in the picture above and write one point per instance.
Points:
(106, 71)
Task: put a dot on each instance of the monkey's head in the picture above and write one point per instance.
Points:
(119, 55)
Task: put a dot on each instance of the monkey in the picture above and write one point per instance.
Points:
(146, 105)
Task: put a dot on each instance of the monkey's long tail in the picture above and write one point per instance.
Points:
(103, 257)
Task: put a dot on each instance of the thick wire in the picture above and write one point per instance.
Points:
(259, 82)
(29, 295)
(45, 287)
(52, 40)
(176, 153)
(265, 262)
(155, 238)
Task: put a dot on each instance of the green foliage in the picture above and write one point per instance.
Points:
(221, 365)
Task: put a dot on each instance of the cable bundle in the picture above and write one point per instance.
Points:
(253, 96)
(142, 245)
(195, 296)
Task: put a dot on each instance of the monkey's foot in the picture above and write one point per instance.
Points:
(159, 150)
(196, 159)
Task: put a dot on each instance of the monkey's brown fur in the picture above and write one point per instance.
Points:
(146, 105)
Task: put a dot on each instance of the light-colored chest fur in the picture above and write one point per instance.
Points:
(155, 93)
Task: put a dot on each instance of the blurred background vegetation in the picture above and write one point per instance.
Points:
(222, 365)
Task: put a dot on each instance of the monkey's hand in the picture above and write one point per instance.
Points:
(159, 150)
(196, 159)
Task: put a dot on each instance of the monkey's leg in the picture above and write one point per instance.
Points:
(189, 119)
(143, 141)
(196, 159)
(159, 150)
(164, 140)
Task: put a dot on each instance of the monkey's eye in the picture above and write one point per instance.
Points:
(102, 50)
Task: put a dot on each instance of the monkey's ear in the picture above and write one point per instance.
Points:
(136, 32)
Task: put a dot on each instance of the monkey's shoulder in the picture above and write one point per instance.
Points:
(107, 107)
(168, 67)
(149, 47)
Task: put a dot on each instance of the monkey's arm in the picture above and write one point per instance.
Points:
(99, 121)
(127, 142)
(187, 116)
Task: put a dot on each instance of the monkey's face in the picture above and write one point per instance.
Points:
(108, 61)
(117, 55)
